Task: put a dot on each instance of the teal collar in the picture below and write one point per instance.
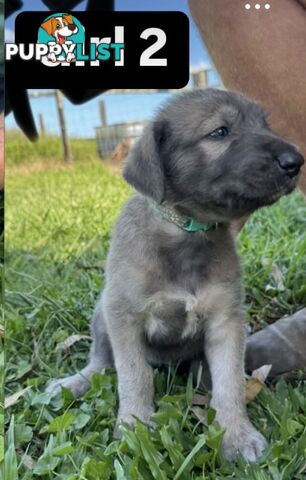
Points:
(187, 224)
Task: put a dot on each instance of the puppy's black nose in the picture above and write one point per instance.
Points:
(291, 162)
(71, 26)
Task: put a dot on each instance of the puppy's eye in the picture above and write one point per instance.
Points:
(58, 25)
(219, 132)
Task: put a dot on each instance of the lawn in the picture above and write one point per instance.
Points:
(58, 225)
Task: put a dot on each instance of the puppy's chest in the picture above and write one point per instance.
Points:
(177, 316)
(194, 281)
(187, 267)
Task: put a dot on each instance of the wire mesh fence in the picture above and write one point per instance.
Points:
(113, 120)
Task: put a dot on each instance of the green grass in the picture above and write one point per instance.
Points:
(19, 149)
(58, 224)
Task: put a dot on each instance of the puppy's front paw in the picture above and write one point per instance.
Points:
(52, 57)
(70, 57)
(77, 384)
(143, 415)
(244, 439)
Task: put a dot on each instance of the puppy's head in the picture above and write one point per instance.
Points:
(213, 155)
(60, 27)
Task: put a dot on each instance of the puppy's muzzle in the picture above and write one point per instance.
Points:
(290, 162)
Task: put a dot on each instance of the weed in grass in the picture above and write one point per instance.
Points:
(58, 221)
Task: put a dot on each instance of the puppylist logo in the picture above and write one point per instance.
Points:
(99, 50)
(61, 41)
(62, 33)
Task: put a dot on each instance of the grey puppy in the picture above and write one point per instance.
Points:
(173, 288)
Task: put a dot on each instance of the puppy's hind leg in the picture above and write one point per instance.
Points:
(100, 357)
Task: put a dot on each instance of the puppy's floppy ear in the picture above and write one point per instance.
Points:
(48, 25)
(144, 169)
(69, 19)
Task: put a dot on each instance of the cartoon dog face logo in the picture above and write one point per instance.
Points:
(60, 27)
(64, 31)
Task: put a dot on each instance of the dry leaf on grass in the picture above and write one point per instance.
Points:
(70, 341)
(198, 399)
(278, 277)
(199, 413)
(262, 373)
(27, 460)
(12, 399)
(256, 382)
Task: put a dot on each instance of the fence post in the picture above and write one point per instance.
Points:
(200, 79)
(102, 111)
(62, 121)
(42, 127)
